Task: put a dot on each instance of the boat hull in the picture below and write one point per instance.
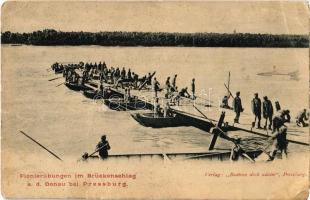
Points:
(73, 86)
(150, 120)
(90, 93)
(119, 104)
(211, 155)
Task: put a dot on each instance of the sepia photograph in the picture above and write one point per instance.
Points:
(155, 99)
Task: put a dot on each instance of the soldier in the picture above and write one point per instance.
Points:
(168, 83)
(301, 117)
(155, 86)
(123, 73)
(135, 80)
(129, 74)
(279, 119)
(149, 79)
(157, 109)
(193, 89)
(277, 104)
(103, 147)
(167, 87)
(174, 83)
(184, 93)
(279, 142)
(167, 109)
(256, 109)
(267, 112)
(224, 103)
(101, 89)
(237, 105)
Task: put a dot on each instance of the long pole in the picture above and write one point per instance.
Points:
(228, 84)
(230, 94)
(223, 134)
(55, 78)
(40, 145)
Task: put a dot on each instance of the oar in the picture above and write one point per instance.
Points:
(60, 84)
(40, 145)
(54, 78)
(93, 152)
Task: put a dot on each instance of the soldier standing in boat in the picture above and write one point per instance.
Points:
(237, 105)
(167, 109)
(128, 75)
(149, 79)
(101, 90)
(257, 110)
(136, 80)
(174, 83)
(193, 89)
(155, 86)
(102, 147)
(301, 117)
(168, 83)
(267, 112)
(157, 108)
(123, 73)
(168, 87)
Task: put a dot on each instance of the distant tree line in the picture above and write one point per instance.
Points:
(53, 37)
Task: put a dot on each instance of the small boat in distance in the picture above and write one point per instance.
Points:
(293, 75)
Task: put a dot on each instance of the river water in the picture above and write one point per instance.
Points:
(69, 124)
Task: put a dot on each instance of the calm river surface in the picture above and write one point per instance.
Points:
(69, 124)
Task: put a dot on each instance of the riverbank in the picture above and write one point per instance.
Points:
(156, 39)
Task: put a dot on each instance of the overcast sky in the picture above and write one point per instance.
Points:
(257, 17)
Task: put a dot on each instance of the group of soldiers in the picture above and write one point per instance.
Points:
(275, 120)
(172, 95)
(265, 108)
(112, 75)
(172, 91)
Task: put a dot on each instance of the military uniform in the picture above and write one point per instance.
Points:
(103, 147)
(301, 117)
(257, 109)
(174, 81)
(237, 105)
(279, 142)
(267, 112)
(225, 103)
(279, 119)
(193, 89)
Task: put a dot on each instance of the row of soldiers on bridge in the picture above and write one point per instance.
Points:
(116, 76)
(110, 75)
(274, 121)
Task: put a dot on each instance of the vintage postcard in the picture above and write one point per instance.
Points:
(155, 99)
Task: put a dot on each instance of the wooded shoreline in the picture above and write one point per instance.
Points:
(49, 37)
